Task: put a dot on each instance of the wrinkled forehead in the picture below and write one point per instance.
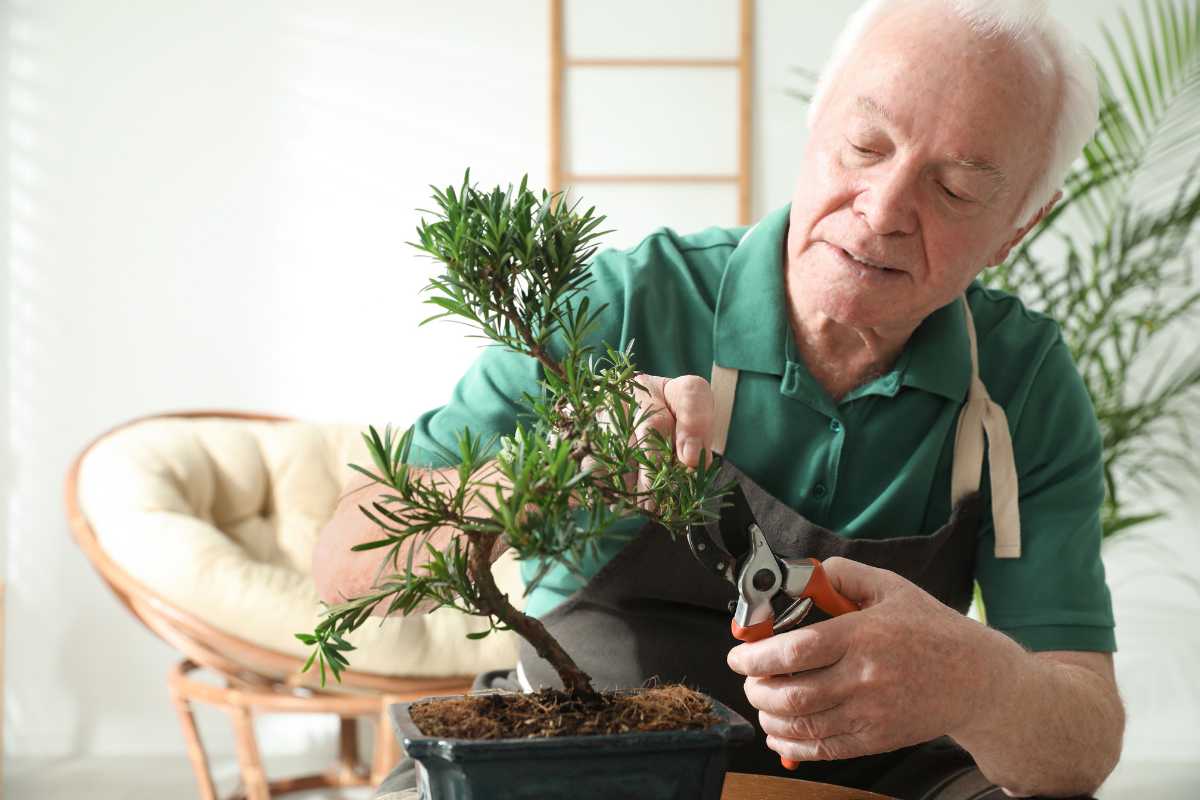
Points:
(933, 75)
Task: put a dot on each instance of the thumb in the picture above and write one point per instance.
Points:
(860, 583)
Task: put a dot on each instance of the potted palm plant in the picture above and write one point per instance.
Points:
(514, 266)
(1112, 261)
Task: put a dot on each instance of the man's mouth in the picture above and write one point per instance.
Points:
(867, 262)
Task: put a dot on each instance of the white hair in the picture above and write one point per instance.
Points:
(1053, 53)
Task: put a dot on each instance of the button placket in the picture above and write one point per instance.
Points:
(823, 490)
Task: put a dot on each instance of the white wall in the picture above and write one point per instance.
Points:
(208, 205)
(209, 208)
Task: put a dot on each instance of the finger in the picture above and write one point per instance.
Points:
(660, 420)
(629, 475)
(822, 724)
(861, 583)
(797, 695)
(649, 389)
(689, 398)
(656, 418)
(589, 463)
(847, 745)
(646, 480)
(812, 647)
(653, 415)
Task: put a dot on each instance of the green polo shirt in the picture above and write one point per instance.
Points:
(875, 464)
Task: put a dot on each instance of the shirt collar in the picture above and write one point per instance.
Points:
(940, 353)
(750, 329)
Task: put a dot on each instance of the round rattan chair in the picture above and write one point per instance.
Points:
(258, 677)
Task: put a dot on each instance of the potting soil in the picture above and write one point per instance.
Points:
(550, 712)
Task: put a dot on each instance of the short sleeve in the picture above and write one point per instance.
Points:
(489, 399)
(1054, 597)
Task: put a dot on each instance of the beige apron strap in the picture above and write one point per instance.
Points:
(980, 416)
(724, 386)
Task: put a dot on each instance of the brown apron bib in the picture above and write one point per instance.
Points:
(653, 612)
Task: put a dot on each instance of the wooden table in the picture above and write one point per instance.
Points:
(740, 786)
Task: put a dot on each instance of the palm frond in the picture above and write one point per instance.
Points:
(1112, 262)
(1149, 109)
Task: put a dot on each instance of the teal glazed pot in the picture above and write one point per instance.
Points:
(656, 765)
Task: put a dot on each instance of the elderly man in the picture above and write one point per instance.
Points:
(869, 368)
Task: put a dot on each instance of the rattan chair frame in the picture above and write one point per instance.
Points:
(257, 680)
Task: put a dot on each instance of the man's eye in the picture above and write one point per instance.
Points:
(952, 195)
(863, 151)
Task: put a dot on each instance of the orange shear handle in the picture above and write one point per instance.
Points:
(824, 597)
(756, 633)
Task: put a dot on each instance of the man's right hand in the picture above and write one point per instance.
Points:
(681, 409)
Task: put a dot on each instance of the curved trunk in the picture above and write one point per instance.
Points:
(575, 681)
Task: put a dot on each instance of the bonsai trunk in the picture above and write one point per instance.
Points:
(575, 681)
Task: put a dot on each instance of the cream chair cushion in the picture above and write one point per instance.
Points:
(220, 516)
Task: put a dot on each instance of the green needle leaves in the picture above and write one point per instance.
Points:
(515, 267)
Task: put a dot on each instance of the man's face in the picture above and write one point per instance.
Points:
(918, 161)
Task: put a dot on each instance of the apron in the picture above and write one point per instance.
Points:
(653, 613)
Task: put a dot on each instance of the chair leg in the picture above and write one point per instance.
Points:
(253, 775)
(348, 768)
(195, 748)
(387, 747)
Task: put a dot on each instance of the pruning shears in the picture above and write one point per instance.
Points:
(743, 557)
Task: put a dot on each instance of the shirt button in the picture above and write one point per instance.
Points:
(819, 490)
(834, 425)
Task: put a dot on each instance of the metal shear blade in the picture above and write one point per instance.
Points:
(722, 545)
(727, 547)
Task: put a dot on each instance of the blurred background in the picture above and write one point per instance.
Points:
(207, 204)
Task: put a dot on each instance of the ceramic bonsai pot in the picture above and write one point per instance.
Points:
(656, 765)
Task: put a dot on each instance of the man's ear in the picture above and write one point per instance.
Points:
(998, 257)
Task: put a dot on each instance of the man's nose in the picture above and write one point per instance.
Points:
(886, 203)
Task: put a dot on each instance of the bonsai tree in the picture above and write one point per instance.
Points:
(515, 267)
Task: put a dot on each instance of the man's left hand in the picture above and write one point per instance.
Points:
(903, 670)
